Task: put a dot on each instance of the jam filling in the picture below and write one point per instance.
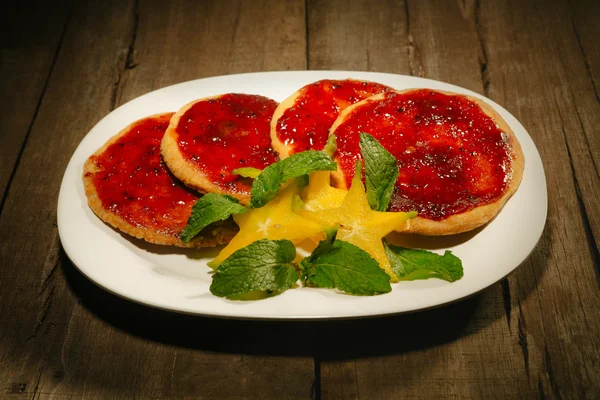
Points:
(225, 133)
(452, 157)
(305, 125)
(134, 183)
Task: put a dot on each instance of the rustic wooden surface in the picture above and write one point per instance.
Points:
(65, 65)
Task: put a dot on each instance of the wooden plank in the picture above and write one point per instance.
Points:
(509, 345)
(585, 17)
(191, 40)
(37, 303)
(352, 35)
(173, 355)
(26, 60)
(557, 104)
(585, 95)
(65, 336)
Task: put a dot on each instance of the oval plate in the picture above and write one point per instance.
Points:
(177, 279)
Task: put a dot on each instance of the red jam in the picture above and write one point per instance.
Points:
(305, 125)
(134, 183)
(225, 133)
(452, 157)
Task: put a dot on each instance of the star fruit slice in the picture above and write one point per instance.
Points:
(360, 225)
(319, 194)
(276, 220)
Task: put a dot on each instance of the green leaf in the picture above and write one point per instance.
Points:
(209, 208)
(324, 246)
(247, 172)
(413, 264)
(265, 265)
(301, 182)
(341, 265)
(381, 172)
(266, 186)
(256, 295)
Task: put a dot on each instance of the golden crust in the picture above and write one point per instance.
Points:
(220, 234)
(468, 220)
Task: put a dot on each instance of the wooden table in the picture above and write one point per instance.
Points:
(65, 66)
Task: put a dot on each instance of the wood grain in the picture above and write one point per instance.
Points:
(26, 63)
(68, 337)
(35, 295)
(343, 35)
(583, 69)
(181, 41)
(565, 303)
(585, 17)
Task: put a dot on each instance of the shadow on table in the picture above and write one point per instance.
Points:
(337, 339)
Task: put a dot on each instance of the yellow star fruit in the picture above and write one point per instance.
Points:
(361, 226)
(319, 194)
(276, 220)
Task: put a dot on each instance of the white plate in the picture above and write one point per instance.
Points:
(179, 279)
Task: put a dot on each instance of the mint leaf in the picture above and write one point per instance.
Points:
(341, 265)
(247, 172)
(265, 265)
(266, 186)
(381, 172)
(209, 208)
(413, 264)
(255, 295)
(324, 246)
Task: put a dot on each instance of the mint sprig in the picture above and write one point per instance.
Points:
(413, 264)
(341, 265)
(381, 172)
(266, 186)
(323, 247)
(209, 208)
(262, 266)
